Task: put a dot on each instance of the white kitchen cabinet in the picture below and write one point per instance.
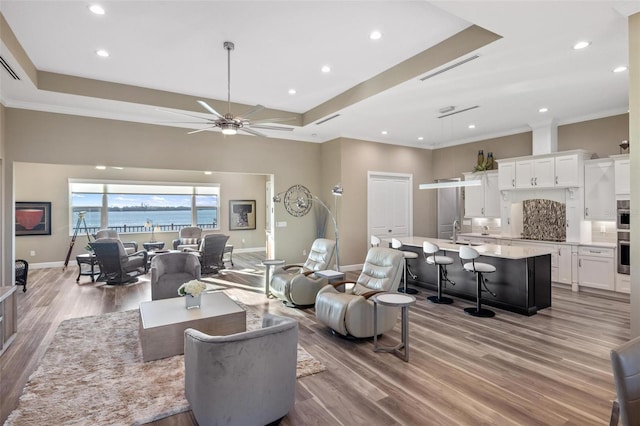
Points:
(506, 175)
(564, 264)
(623, 283)
(599, 190)
(568, 172)
(622, 172)
(596, 267)
(535, 173)
(574, 206)
(483, 200)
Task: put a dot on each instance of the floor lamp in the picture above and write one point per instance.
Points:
(300, 201)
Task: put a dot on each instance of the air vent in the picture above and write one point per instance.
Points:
(459, 111)
(327, 119)
(450, 67)
(10, 70)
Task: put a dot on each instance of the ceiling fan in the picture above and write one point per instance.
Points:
(228, 123)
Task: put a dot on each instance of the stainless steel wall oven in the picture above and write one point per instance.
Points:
(624, 214)
(624, 249)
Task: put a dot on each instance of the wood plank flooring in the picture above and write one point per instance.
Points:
(549, 369)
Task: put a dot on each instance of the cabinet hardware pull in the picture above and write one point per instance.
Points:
(586, 211)
(513, 182)
(556, 180)
(580, 263)
(531, 181)
(536, 180)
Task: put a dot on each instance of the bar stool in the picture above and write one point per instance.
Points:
(478, 268)
(375, 241)
(396, 244)
(441, 263)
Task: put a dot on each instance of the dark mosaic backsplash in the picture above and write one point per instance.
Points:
(544, 220)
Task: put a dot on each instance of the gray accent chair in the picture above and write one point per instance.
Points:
(211, 253)
(625, 363)
(129, 246)
(243, 379)
(188, 237)
(116, 266)
(296, 285)
(169, 271)
(350, 313)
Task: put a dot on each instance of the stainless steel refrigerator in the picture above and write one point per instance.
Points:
(449, 203)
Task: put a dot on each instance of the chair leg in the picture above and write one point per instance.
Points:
(439, 299)
(404, 288)
(479, 311)
(615, 414)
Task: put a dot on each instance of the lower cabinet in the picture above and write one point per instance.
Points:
(623, 283)
(560, 259)
(8, 316)
(596, 268)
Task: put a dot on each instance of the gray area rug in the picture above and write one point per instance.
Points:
(93, 374)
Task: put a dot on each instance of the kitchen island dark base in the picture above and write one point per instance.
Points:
(522, 285)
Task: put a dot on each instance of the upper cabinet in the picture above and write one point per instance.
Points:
(622, 175)
(558, 170)
(599, 196)
(483, 200)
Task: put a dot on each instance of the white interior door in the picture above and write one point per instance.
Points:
(390, 205)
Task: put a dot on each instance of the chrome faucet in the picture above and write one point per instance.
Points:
(456, 228)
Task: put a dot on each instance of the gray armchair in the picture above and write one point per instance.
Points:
(188, 237)
(625, 362)
(169, 271)
(296, 285)
(351, 313)
(116, 266)
(129, 246)
(211, 253)
(243, 379)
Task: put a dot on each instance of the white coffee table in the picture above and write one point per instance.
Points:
(162, 322)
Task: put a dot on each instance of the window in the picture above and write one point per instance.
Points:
(134, 207)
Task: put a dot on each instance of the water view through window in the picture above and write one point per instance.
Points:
(126, 212)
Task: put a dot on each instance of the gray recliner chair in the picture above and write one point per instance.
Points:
(625, 362)
(243, 379)
(351, 313)
(188, 237)
(169, 271)
(297, 285)
(129, 246)
(116, 266)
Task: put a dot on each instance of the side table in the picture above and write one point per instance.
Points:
(330, 275)
(153, 245)
(92, 269)
(267, 274)
(398, 300)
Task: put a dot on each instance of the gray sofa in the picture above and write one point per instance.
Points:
(243, 379)
(169, 271)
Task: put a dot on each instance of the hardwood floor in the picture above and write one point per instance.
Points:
(549, 369)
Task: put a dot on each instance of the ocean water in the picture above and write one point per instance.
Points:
(165, 219)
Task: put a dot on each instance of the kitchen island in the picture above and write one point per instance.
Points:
(522, 281)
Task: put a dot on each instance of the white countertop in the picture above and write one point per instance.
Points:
(500, 237)
(492, 250)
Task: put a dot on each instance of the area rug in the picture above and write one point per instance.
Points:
(92, 373)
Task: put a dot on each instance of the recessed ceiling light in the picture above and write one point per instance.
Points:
(326, 69)
(472, 126)
(96, 9)
(543, 109)
(292, 91)
(384, 132)
(581, 45)
(101, 167)
(207, 173)
(102, 53)
(621, 68)
(420, 138)
(375, 35)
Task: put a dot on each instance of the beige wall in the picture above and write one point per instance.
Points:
(453, 161)
(602, 136)
(30, 186)
(39, 137)
(360, 157)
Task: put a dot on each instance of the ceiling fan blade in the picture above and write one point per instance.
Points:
(201, 130)
(181, 113)
(251, 112)
(205, 121)
(253, 132)
(273, 120)
(262, 126)
(211, 110)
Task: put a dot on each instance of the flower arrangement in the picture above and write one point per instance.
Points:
(193, 288)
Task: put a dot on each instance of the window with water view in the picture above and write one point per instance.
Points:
(137, 207)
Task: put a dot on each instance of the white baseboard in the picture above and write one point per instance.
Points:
(248, 249)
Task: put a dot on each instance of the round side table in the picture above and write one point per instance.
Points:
(267, 274)
(397, 300)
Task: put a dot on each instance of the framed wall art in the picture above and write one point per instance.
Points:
(242, 215)
(33, 218)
